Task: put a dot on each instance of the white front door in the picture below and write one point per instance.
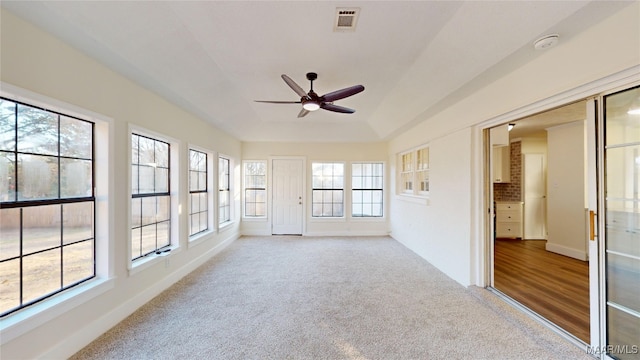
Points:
(535, 192)
(288, 179)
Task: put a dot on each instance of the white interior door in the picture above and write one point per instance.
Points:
(535, 192)
(287, 193)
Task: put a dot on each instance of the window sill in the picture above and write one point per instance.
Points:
(254, 219)
(224, 226)
(150, 260)
(368, 218)
(327, 219)
(28, 319)
(422, 200)
(200, 238)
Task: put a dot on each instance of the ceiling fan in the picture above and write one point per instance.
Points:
(311, 101)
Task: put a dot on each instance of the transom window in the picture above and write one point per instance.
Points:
(366, 189)
(255, 189)
(413, 177)
(151, 200)
(224, 190)
(47, 203)
(198, 192)
(327, 189)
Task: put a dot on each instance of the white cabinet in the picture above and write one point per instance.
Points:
(509, 219)
(501, 164)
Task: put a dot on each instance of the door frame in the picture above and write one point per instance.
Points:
(600, 221)
(484, 214)
(304, 189)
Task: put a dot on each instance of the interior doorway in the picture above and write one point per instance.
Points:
(540, 252)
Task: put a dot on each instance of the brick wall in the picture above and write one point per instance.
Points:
(511, 191)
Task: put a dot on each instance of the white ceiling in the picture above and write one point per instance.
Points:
(213, 58)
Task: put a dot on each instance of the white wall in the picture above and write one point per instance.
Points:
(438, 231)
(340, 152)
(448, 230)
(38, 63)
(566, 201)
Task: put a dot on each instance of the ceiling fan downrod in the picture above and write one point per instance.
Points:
(311, 76)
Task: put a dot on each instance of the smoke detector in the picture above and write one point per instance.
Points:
(346, 19)
(546, 42)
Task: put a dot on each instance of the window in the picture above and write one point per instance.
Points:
(366, 189)
(327, 189)
(198, 192)
(47, 204)
(406, 173)
(422, 170)
(224, 190)
(255, 189)
(151, 200)
(414, 170)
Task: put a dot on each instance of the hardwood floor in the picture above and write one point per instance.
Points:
(552, 285)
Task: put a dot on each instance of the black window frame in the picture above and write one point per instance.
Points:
(23, 204)
(372, 189)
(147, 195)
(195, 195)
(224, 192)
(254, 190)
(323, 193)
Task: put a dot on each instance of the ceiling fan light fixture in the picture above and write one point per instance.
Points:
(311, 105)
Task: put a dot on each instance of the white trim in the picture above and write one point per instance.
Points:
(579, 93)
(484, 266)
(218, 225)
(346, 171)
(384, 189)
(566, 251)
(243, 191)
(211, 191)
(31, 317)
(138, 265)
(346, 233)
(422, 200)
(81, 338)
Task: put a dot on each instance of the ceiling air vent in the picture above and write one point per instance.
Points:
(346, 19)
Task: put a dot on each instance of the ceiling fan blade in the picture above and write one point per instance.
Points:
(342, 93)
(337, 108)
(278, 102)
(292, 84)
(303, 112)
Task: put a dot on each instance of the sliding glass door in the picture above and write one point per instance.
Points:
(621, 126)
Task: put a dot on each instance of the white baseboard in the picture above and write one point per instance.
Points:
(255, 233)
(566, 251)
(83, 337)
(346, 233)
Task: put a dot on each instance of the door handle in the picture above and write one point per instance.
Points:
(592, 225)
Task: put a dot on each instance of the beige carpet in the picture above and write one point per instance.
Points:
(325, 298)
